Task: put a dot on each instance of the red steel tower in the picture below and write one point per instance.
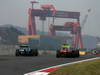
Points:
(31, 22)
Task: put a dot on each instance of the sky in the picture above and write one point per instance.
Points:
(16, 12)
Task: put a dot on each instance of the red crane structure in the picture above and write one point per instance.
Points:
(50, 11)
(75, 30)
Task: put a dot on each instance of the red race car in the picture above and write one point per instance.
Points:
(65, 52)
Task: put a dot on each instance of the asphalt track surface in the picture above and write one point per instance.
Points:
(12, 65)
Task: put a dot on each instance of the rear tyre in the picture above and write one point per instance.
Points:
(75, 53)
(35, 52)
(17, 52)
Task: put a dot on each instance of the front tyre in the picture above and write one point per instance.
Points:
(58, 54)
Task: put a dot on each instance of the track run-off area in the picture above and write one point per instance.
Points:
(12, 65)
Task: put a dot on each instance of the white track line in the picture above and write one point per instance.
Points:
(46, 73)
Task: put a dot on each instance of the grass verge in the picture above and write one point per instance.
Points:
(84, 68)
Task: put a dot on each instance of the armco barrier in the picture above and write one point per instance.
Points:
(7, 49)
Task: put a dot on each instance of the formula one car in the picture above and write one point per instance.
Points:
(65, 52)
(83, 51)
(26, 50)
(96, 51)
